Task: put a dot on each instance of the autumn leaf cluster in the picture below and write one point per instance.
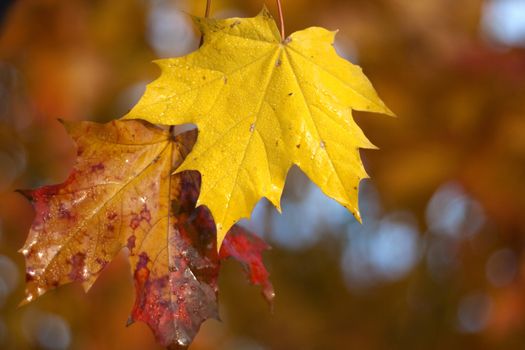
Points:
(261, 104)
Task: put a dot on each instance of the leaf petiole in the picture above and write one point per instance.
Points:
(208, 9)
(281, 19)
(206, 15)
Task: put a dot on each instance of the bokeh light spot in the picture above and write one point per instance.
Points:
(504, 21)
(502, 267)
(473, 312)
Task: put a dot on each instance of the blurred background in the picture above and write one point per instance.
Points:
(439, 262)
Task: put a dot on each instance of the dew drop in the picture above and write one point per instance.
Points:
(183, 341)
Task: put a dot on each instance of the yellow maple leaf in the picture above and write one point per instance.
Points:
(262, 104)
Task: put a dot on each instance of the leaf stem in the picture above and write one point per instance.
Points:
(281, 19)
(208, 9)
(206, 15)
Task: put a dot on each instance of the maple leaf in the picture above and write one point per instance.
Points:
(121, 193)
(262, 104)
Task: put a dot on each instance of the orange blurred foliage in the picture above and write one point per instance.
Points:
(457, 145)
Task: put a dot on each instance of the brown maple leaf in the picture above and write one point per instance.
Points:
(121, 193)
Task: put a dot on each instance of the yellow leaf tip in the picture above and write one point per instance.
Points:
(390, 113)
(86, 285)
(357, 215)
(265, 12)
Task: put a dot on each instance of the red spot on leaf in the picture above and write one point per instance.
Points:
(136, 219)
(97, 167)
(77, 267)
(64, 213)
(143, 261)
(131, 242)
(135, 222)
(41, 197)
(145, 214)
